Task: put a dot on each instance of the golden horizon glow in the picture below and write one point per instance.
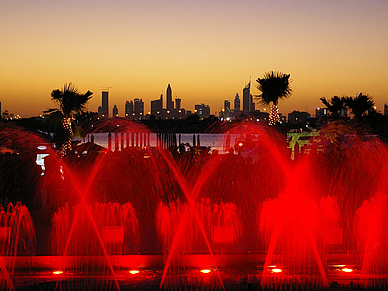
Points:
(206, 50)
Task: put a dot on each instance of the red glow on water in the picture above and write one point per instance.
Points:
(134, 272)
(205, 271)
(59, 272)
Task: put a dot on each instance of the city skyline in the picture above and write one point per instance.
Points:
(206, 51)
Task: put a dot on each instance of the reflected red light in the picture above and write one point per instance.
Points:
(58, 272)
(276, 270)
(347, 270)
(134, 272)
(205, 271)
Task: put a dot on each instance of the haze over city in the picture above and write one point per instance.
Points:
(206, 50)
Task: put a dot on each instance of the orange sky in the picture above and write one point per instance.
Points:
(206, 49)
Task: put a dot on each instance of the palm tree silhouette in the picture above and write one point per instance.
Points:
(273, 86)
(360, 105)
(71, 102)
(335, 105)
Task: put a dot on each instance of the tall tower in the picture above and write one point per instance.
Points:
(237, 103)
(169, 103)
(247, 98)
(105, 104)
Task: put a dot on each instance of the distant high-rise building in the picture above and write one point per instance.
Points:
(247, 98)
(115, 111)
(202, 110)
(237, 103)
(157, 106)
(169, 102)
(226, 105)
(297, 117)
(103, 110)
(128, 109)
(178, 103)
(0, 108)
(139, 108)
(385, 108)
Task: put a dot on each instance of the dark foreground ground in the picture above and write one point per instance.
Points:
(189, 280)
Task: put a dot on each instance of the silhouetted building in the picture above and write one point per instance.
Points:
(203, 111)
(169, 102)
(320, 114)
(139, 109)
(297, 117)
(226, 112)
(227, 105)
(128, 109)
(115, 111)
(178, 103)
(103, 110)
(248, 105)
(1, 114)
(385, 108)
(237, 103)
(157, 106)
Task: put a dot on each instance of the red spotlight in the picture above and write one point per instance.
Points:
(134, 272)
(205, 271)
(58, 272)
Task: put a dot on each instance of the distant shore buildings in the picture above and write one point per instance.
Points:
(134, 109)
(172, 110)
(248, 109)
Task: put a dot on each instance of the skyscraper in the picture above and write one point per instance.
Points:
(227, 105)
(103, 110)
(157, 106)
(139, 108)
(128, 109)
(178, 103)
(115, 111)
(236, 103)
(169, 102)
(247, 98)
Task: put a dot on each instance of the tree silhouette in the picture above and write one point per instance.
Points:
(335, 105)
(71, 102)
(360, 105)
(273, 86)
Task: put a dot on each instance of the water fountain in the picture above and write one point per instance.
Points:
(252, 217)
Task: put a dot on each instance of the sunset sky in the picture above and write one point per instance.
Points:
(207, 50)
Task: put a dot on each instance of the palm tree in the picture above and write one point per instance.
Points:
(360, 105)
(273, 86)
(335, 105)
(71, 102)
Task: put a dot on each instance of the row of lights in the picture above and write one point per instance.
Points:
(272, 269)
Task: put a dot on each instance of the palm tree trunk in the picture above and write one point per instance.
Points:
(274, 115)
(66, 147)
